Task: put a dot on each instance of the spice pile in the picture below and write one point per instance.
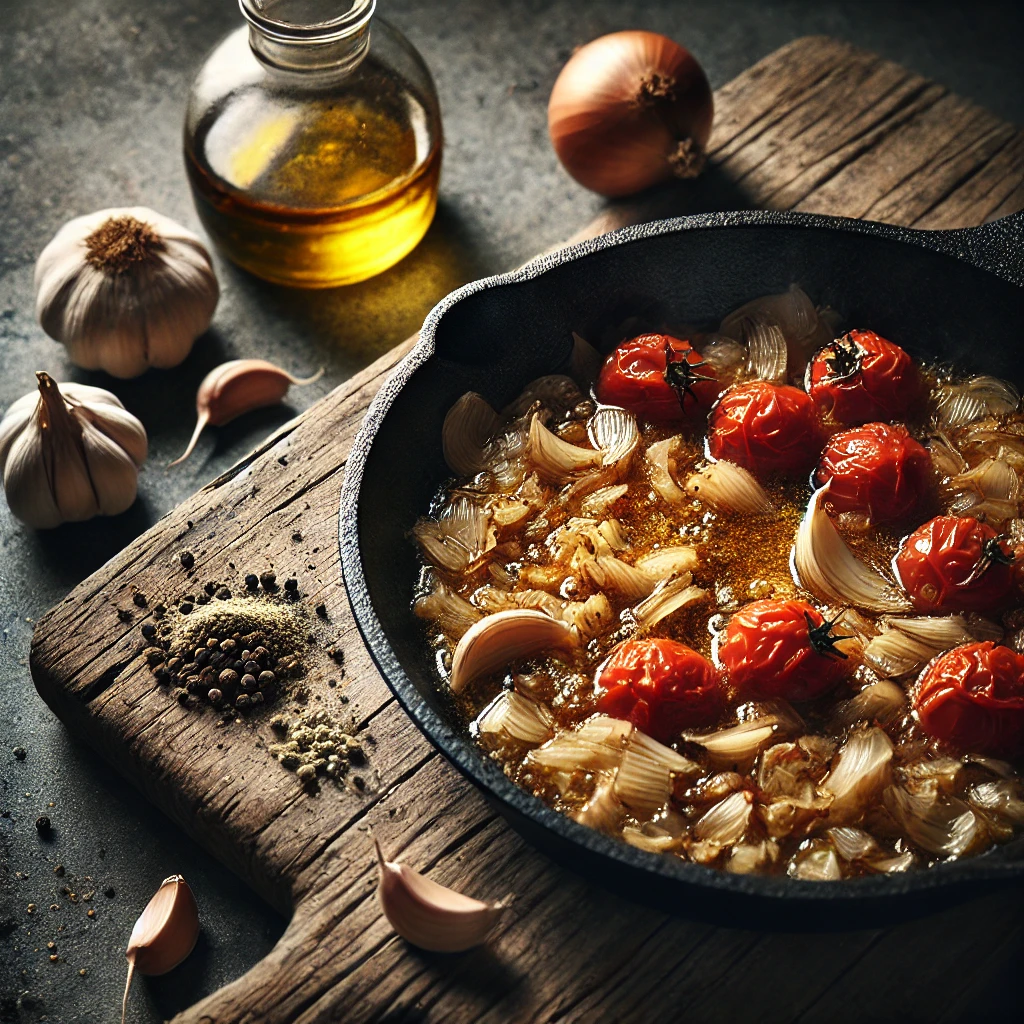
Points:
(234, 653)
(314, 744)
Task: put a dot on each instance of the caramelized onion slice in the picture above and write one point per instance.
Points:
(831, 571)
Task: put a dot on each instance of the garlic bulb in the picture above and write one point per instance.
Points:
(69, 453)
(125, 289)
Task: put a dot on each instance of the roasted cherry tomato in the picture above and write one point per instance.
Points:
(862, 377)
(661, 378)
(955, 565)
(781, 649)
(765, 428)
(973, 698)
(877, 470)
(661, 686)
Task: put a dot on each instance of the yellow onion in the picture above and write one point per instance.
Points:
(629, 110)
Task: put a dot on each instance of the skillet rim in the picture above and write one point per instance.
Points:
(995, 248)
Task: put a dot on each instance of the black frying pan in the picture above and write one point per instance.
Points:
(946, 295)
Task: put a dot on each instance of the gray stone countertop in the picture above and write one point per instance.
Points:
(92, 94)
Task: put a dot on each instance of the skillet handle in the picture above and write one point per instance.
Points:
(997, 247)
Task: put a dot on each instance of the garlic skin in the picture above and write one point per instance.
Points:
(125, 289)
(429, 915)
(69, 452)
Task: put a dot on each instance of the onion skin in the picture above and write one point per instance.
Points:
(629, 110)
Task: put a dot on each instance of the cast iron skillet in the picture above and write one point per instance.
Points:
(949, 295)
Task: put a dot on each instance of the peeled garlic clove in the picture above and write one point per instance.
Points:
(860, 772)
(667, 598)
(429, 915)
(556, 459)
(597, 745)
(724, 485)
(614, 432)
(831, 571)
(68, 453)
(125, 289)
(659, 469)
(165, 933)
(518, 717)
(504, 637)
(236, 387)
(644, 779)
(468, 426)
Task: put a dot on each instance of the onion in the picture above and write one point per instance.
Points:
(629, 110)
(831, 571)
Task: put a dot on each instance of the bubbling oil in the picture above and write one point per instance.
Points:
(321, 192)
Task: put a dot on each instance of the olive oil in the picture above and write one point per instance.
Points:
(319, 193)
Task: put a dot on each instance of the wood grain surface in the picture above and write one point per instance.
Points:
(817, 126)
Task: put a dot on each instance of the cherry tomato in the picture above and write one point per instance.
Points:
(955, 564)
(766, 428)
(784, 649)
(878, 470)
(973, 698)
(661, 686)
(862, 377)
(658, 377)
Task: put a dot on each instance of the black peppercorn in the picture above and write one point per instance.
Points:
(185, 607)
(223, 594)
(268, 580)
(321, 610)
(252, 581)
(148, 630)
(291, 584)
(187, 559)
(228, 678)
(215, 695)
(210, 588)
(251, 667)
(20, 753)
(248, 682)
(140, 600)
(242, 701)
(154, 655)
(43, 825)
(228, 645)
(257, 697)
(202, 657)
(212, 643)
(267, 678)
(181, 696)
(260, 654)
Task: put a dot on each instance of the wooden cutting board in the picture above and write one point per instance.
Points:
(817, 126)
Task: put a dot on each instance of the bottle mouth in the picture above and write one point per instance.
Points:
(307, 21)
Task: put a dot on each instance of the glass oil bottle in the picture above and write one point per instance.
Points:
(313, 143)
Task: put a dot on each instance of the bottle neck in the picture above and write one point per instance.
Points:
(309, 36)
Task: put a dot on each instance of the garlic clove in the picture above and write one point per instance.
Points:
(556, 460)
(236, 387)
(113, 480)
(729, 487)
(27, 484)
(614, 432)
(504, 637)
(119, 425)
(165, 933)
(429, 915)
(467, 427)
